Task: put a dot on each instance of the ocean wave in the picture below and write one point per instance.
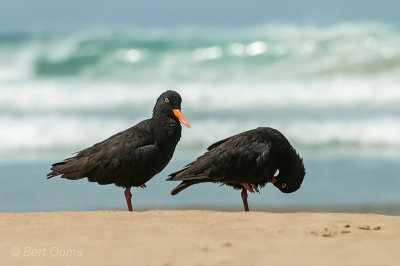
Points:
(31, 97)
(327, 88)
(55, 135)
(276, 50)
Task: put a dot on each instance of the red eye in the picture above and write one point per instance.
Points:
(166, 100)
(283, 185)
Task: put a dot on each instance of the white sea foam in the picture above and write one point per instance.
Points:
(209, 53)
(66, 134)
(62, 95)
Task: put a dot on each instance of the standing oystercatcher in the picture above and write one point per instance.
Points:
(132, 157)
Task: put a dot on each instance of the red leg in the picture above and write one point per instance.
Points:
(248, 187)
(128, 196)
(244, 198)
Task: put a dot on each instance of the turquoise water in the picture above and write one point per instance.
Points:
(333, 91)
(344, 184)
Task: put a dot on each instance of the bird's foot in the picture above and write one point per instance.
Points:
(254, 186)
(250, 187)
(143, 186)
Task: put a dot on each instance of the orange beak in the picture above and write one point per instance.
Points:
(273, 180)
(181, 118)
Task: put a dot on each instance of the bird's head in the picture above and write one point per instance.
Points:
(291, 173)
(288, 183)
(285, 186)
(169, 104)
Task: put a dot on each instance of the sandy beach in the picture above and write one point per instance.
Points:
(198, 238)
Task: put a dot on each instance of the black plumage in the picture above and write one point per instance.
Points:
(131, 157)
(246, 161)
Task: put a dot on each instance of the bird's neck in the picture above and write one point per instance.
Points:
(291, 167)
(167, 127)
(165, 120)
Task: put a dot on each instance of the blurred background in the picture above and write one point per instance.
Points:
(324, 73)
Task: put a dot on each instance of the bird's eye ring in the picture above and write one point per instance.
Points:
(166, 100)
(283, 185)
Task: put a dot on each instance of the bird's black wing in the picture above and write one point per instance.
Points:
(216, 144)
(237, 159)
(103, 161)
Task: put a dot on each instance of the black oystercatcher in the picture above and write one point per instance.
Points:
(131, 157)
(246, 161)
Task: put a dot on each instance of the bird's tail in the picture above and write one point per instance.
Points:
(182, 186)
(72, 168)
(57, 169)
(188, 178)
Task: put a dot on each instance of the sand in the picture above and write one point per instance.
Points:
(198, 238)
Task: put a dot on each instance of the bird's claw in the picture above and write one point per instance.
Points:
(143, 186)
(250, 187)
(254, 187)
